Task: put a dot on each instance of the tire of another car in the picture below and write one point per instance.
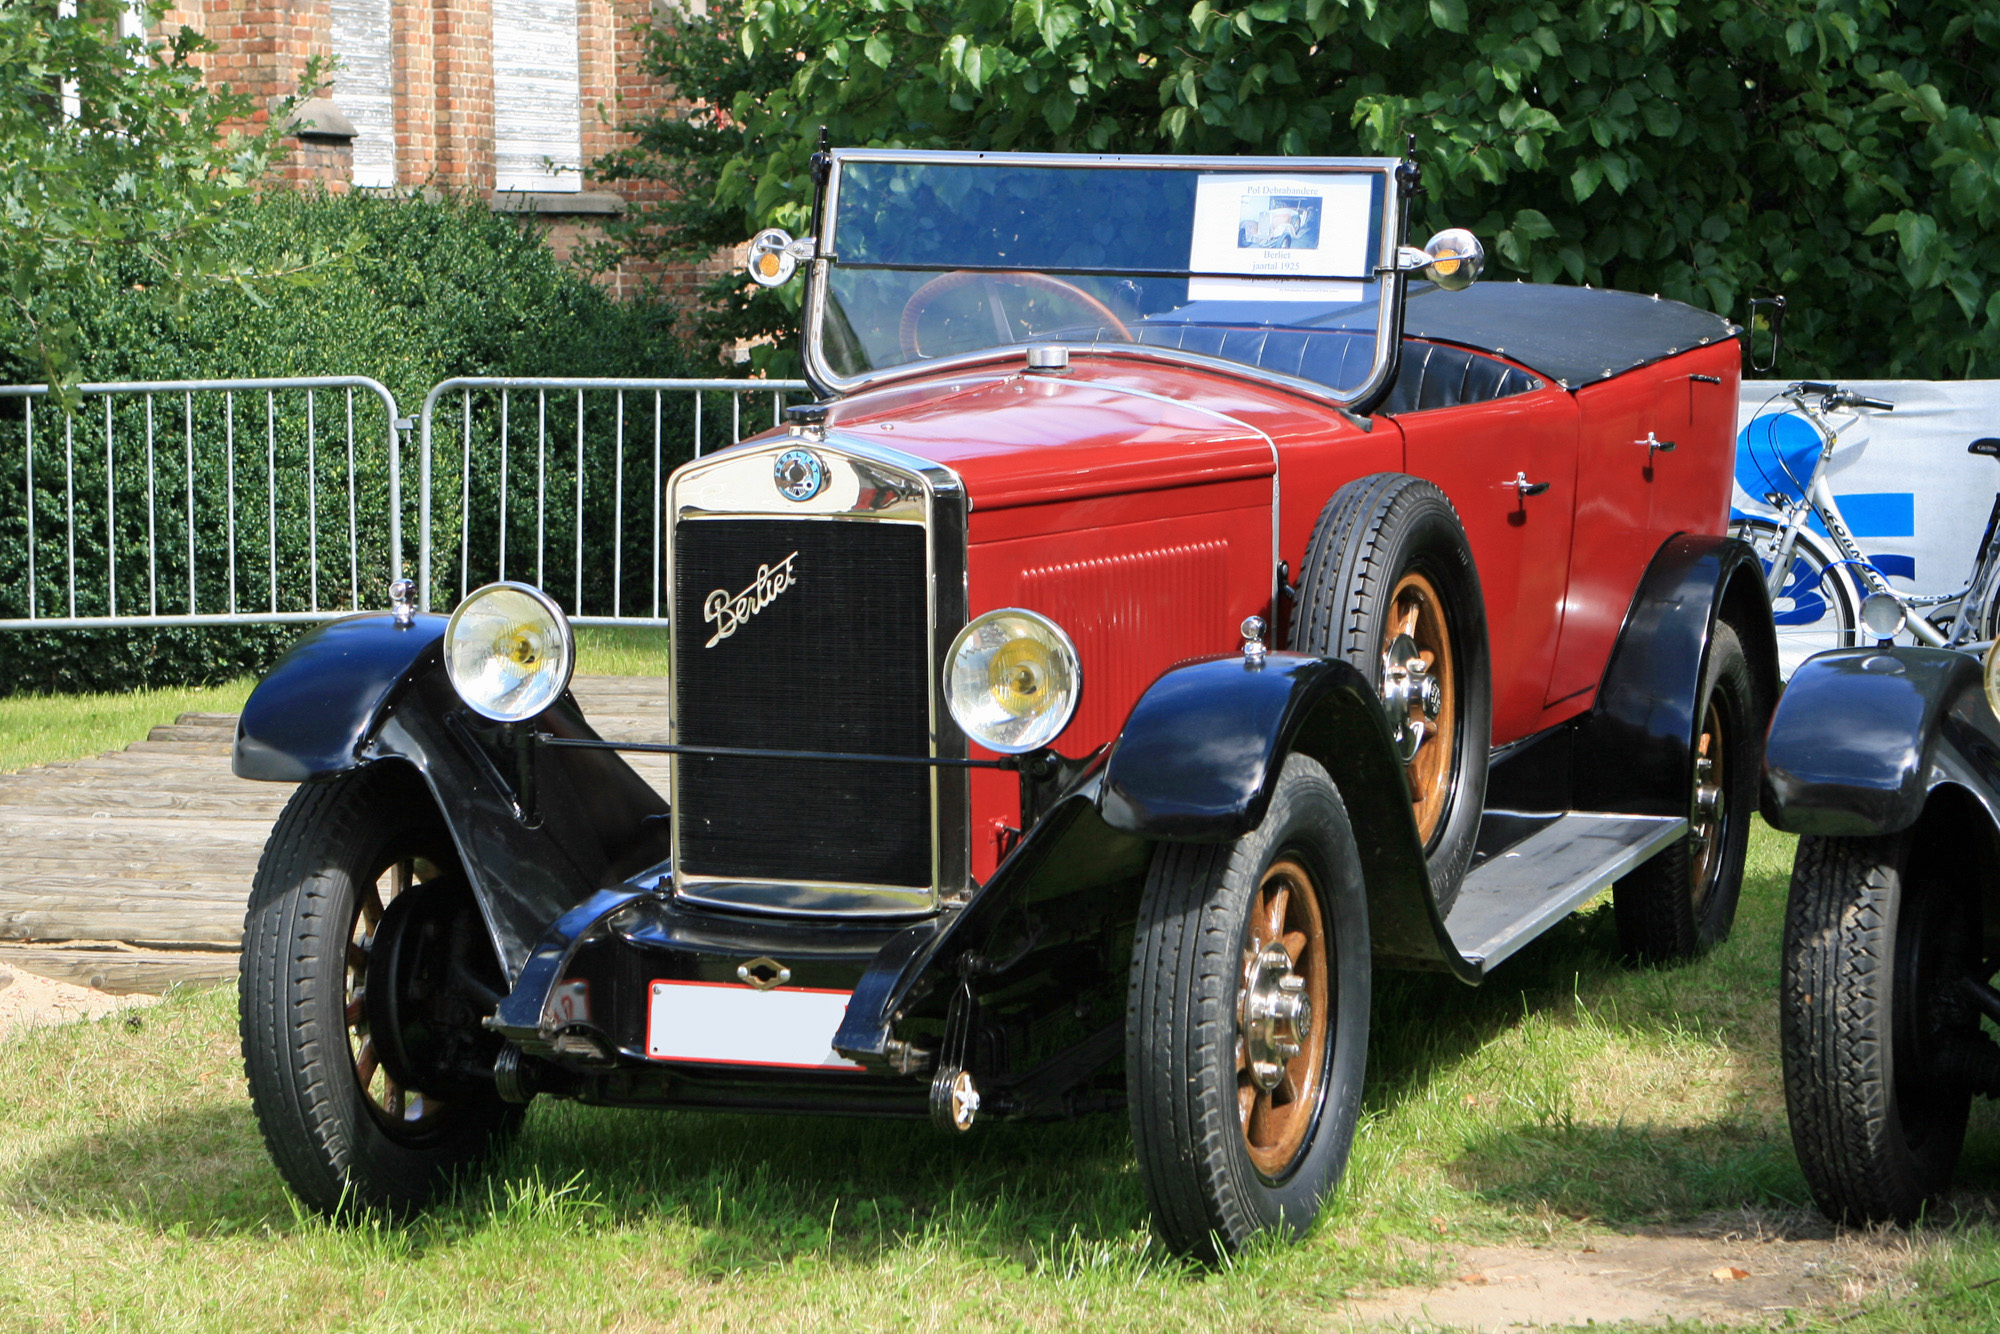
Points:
(1235, 1134)
(1389, 558)
(1682, 902)
(346, 1137)
(1877, 1130)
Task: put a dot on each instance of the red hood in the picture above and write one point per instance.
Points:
(1031, 439)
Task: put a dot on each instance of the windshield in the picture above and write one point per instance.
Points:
(1263, 263)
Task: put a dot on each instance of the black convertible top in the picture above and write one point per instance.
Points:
(1573, 335)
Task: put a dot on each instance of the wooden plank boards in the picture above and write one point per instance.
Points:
(148, 853)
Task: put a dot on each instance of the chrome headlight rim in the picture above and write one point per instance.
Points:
(545, 696)
(1040, 737)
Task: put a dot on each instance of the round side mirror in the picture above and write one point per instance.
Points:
(1456, 259)
(771, 261)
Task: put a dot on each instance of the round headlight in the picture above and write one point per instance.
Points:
(1883, 616)
(509, 651)
(1012, 681)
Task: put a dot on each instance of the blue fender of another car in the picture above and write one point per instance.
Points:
(1863, 737)
(313, 712)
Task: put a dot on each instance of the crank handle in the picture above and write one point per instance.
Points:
(1526, 487)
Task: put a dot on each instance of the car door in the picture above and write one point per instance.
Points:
(1481, 455)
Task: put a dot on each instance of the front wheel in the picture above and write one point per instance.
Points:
(1872, 955)
(1815, 607)
(1246, 1033)
(365, 969)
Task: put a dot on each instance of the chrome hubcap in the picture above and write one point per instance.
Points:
(1411, 696)
(1277, 1015)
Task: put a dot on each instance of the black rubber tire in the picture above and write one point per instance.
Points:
(1181, 1024)
(1655, 906)
(1876, 1134)
(335, 1152)
(1372, 532)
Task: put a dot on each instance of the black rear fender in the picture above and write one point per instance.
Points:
(1633, 752)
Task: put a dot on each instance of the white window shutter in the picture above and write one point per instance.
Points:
(365, 86)
(537, 96)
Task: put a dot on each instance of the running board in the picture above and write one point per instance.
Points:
(1516, 895)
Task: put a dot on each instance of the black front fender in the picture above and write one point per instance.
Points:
(1862, 736)
(312, 713)
(1199, 754)
(365, 690)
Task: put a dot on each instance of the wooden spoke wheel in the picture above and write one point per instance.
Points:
(1246, 1035)
(1682, 901)
(1389, 585)
(400, 1110)
(1420, 690)
(1280, 1069)
(360, 879)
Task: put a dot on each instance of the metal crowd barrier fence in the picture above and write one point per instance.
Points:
(560, 482)
(235, 502)
(198, 502)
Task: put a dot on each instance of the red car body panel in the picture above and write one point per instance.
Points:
(1132, 502)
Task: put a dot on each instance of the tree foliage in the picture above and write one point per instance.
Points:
(112, 149)
(1843, 152)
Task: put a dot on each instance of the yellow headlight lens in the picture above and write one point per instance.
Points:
(1012, 681)
(509, 651)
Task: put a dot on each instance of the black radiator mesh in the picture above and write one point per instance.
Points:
(836, 661)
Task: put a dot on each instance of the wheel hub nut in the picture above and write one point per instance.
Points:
(1411, 696)
(1277, 1016)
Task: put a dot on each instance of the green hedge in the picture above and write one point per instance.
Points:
(424, 290)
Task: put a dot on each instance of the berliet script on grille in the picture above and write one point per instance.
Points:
(726, 612)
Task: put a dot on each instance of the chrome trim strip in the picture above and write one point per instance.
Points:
(740, 485)
(814, 307)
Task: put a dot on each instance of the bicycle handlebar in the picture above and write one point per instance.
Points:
(1832, 396)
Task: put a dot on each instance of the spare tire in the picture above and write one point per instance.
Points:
(1389, 585)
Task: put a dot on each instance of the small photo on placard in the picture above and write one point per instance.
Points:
(1291, 236)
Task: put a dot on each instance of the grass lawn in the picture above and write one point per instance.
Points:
(1569, 1097)
(44, 729)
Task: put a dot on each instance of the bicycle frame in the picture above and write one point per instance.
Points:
(1818, 499)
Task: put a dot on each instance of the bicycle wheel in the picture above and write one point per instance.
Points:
(1814, 610)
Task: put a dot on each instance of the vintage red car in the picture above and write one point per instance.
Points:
(1181, 603)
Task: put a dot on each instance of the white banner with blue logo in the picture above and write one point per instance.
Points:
(1915, 500)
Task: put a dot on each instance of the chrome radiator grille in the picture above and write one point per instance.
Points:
(802, 635)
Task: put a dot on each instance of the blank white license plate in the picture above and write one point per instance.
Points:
(714, 1021)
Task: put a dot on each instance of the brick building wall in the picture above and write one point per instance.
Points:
(443, 98)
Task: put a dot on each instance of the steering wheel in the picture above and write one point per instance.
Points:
(921, 299)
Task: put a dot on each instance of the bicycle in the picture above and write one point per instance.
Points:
(1817, 584)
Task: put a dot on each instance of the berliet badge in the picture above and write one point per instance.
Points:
(726, 611)
(799, 474)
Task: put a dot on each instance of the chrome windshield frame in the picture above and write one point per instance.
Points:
(1388, 324)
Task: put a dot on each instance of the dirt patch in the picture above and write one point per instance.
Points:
(1726, 1276)
(28, 1001)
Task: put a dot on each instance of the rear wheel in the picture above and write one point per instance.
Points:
(1389, 585)
(1683, 901)
(1247, 1021)
(365, 971)
(1872, 954)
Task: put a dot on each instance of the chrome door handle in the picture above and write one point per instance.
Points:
(1653, 442)
(1526, 487)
